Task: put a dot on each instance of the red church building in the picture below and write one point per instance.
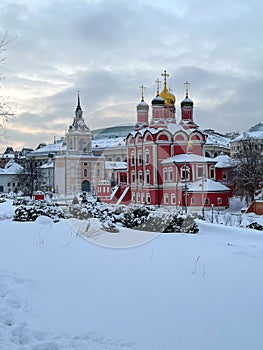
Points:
(166, 165)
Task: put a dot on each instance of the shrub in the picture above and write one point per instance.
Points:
(32, 212)
(255, 226)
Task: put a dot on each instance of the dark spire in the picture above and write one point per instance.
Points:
(78, 106)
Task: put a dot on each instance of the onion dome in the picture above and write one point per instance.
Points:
(187, 102)
(142, 106)
(169, 99)
(158, 101)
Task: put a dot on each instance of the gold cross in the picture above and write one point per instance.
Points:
(158, 82)
(165, 75)
(143, 88)
(186, 87)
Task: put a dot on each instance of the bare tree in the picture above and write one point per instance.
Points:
(248, 169)
(5, 107)
(30, 178)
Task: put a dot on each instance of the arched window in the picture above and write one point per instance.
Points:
(148, 177)
(171, 174)
(147, 156)
(166, 199)
(133, 177)
(185, 173)
(139, 157)
(140, 177)
(165, 176)
(212, 172)
(132, 158)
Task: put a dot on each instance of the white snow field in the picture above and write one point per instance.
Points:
(177, 291)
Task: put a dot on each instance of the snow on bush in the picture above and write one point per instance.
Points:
(137, 217)
(36, 209)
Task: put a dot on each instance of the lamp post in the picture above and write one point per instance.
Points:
(186, 172)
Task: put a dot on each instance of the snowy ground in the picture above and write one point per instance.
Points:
(176, 291)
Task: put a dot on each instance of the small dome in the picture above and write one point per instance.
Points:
(158, 100)
(187, 102)
(142, 106)
(169, 99)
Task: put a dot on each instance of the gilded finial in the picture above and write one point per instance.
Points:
(158, 82)
(142, 87)
(165, 75)
(186, 88)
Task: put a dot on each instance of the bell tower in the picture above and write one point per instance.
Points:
(142, 112)
(79, 135)
(187, 109)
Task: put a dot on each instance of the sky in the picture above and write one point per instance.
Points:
(107, 49)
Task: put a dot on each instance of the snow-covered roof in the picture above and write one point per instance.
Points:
(115, 165)
(218, 140)
(48, 165)
(207, 185)
(109, 142)
(11, 168)
(255, 132)
(188, 158)
(51, 148)
(223, 161)
(8, 155)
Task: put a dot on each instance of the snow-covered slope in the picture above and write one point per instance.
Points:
(177, 291)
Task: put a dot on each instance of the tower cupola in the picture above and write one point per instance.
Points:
(142, 112)
(187, 108)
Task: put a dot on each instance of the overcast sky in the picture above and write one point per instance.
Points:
(107, 49)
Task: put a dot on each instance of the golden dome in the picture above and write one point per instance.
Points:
(169, 99)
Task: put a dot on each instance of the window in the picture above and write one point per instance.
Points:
(85, 172)
(165, 175)
(173, 199)
(98, 172)
(143, 197)
(185, 173)
(85, 163)
(8, 184)
(207, 201)
(193, 200)
(140, 177)
(212, 172)
(166, 199)
(148, 198)
(219, 201)
(140, 158)
(147, 157)
(133, 176)
(171, 174)
(118, 159)
(133, 197)
(200, 172)
(132, 158)
(148, 177)
(138, 197)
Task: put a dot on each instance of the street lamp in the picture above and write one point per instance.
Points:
(186, 172)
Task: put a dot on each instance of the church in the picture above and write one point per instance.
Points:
(166, 165)
(76, 168)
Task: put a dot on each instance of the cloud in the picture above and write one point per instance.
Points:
(107, 49)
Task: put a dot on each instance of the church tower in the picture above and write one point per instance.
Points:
(163, 105)
(187, 110)
(79, 135)
(142, 113)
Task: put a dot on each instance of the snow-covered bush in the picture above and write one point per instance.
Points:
(255, 226)
(189, 225)
(32, 212)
